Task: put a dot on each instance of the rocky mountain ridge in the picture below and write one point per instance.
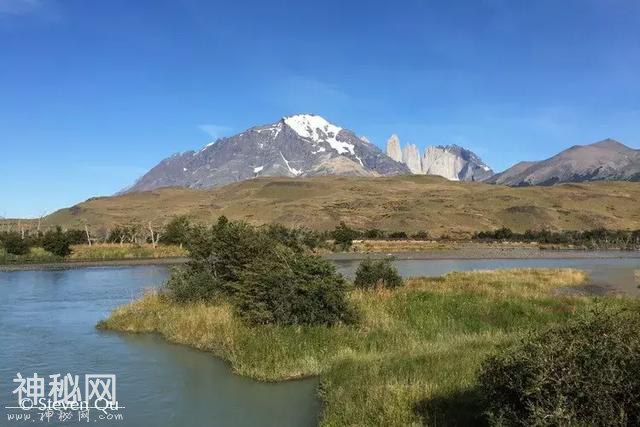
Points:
(607, 160)
(452, 162)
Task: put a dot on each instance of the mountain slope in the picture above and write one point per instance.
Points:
(295, 146)
(607, 160)
(407, 203)
(452, 162)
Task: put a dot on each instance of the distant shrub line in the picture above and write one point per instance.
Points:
(595, 239)
(178, 232)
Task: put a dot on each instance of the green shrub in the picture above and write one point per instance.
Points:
(584, 372)
(265, 273)
(373, 273)
(56, 242)
(187, 285)
(344, 235)
(421, 235)
(14, 244)
(399, 235)
(176, 232)
(373, 234)
(299, 239)
(76, 237)
(289, 288)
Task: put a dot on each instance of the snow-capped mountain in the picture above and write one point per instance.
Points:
(295, 146)
(452, 162)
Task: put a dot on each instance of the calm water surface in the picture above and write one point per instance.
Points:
(47, 326)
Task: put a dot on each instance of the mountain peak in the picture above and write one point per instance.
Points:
(609, 143)
(606, 160)
(318, 129)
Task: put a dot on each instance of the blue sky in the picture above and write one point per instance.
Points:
(95, 92)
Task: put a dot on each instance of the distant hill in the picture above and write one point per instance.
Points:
(607, 160)
(408, 203)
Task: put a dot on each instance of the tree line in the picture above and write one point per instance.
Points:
(179, 230)
(599, 238)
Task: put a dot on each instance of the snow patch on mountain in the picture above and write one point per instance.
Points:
(317, 129)
(294, 171)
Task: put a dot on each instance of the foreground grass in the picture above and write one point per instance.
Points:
(412, 359)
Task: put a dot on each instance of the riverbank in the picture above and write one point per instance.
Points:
(116, 255)
(74, 264)
(413, 357)
(469, 249)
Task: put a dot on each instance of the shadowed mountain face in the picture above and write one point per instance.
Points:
(296, 146)
(606, 160)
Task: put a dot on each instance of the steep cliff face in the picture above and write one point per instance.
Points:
(295, 146)
(452, 162)
(411, 158)
(438, 161)
(393, 148)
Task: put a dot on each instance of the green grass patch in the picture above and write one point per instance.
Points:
(412, 359)
(35, 256)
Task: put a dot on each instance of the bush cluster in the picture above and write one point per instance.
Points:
(583, 372)
(377, 273)
(14, 244)
(265, 273)
(597, 238)
(55, 241)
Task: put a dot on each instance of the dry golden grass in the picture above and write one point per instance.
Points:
(414, 344)
(125, 251)
(522, 282)
(400, 203)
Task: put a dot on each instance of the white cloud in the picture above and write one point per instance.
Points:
(215, 131)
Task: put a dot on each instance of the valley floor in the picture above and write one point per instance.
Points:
(413, 358)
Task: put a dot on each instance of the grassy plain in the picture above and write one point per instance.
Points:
(412, 359)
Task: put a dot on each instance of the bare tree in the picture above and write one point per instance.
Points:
(86, 230)
(153, 240)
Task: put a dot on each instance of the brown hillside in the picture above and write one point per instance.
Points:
(409, 203)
